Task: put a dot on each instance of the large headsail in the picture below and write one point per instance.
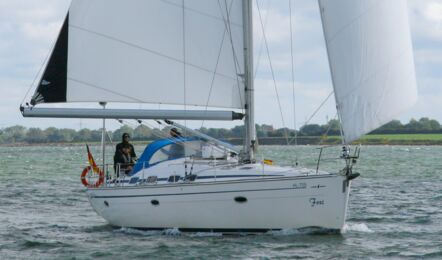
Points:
(185, 52)
(371, 60)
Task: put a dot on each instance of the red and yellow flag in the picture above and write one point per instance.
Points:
(268, 162)
(91, 158)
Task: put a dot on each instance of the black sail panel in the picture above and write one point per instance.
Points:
(52, 86)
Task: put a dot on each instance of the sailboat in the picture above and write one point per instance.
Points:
(198, 54)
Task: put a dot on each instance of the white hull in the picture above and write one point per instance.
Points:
(272, 203)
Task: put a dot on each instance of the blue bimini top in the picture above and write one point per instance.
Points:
(152, 148)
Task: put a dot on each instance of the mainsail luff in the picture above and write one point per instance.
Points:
(250, 133)
(371, 61)
(118, 52)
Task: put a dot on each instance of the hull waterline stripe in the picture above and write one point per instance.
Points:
(308, 230)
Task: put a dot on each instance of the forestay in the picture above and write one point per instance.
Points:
(371, 60)
(185, 52)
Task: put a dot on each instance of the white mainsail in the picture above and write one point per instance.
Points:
(158, 51)
(371, 61)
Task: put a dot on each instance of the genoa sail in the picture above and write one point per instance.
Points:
(158, 51)
(371, 61)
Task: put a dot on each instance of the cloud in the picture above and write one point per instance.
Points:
(43, 33)
(429, 56)
(308, 97)
(28, 29)
(425, 20)
(433, 11)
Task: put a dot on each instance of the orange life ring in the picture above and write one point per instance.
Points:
(97, 183)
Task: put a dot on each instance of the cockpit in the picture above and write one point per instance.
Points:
(176, 148)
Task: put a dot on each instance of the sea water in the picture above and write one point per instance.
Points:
(395, 211)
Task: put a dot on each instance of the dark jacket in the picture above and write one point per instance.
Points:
(123, 160)
(132, 150)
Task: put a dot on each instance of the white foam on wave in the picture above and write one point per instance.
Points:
(139, 232)
(206, 234)
(285, 232)
(133, 231)
(165, 232)
(302, 231)
(357, 227)
(172, 232)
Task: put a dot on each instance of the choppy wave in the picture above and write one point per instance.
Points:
(166, 232)
(172, 232)
(206, 234)
(28, 244)
(177, 232)
(141, 232)
(303, 231)
(356, 227)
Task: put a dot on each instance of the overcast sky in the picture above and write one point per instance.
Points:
(29, 28)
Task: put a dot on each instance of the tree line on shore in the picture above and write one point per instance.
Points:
(20, 134)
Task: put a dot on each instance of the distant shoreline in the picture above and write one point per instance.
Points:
(393, 139)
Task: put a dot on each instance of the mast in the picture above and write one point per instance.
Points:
(103, 141)
(250, 131)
